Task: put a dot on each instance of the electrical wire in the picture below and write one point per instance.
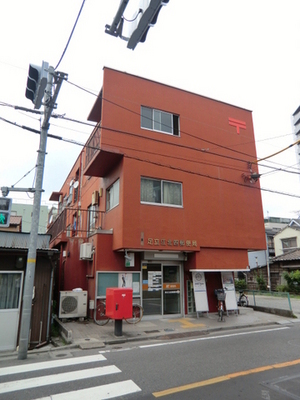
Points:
(186, 133)
(68, 42)
(163, 165)
(274, 169)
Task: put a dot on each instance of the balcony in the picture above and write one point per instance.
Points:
(72, 222)
(98, 162)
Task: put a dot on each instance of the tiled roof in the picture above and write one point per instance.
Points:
(18, 240)
(292, 255)
(15, 220)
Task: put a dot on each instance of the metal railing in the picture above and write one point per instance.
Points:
(75, 222)
(279, 300)
(92, 145)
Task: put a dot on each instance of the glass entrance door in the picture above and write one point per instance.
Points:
(152, 284)
(161, 289)
(171, 289)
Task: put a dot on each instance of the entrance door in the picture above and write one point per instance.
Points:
(10, 300)
(161, 289)
(171, 289)
(152, 284)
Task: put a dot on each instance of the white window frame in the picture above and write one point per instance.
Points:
(162, 200)
(113, 195)
(156, 118)
(92, 216)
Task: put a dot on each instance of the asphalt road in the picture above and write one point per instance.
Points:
(243, 364)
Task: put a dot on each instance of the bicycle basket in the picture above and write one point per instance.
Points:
(220, 293)
(221, 296)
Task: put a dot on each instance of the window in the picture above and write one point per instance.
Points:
(288, 244)
(161, 192)
(10, 289)
(112, 195)
(160, 121)
(92, 216)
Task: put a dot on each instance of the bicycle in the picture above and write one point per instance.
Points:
(102, 319)
(221, 295)
(243, 299)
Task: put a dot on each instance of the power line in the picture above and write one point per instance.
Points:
(152, 139)
(70, 35)
(186, 133)
(162, 165)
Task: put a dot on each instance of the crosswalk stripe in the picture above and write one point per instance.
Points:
(108, 391)
(50, 364)
(57, 378)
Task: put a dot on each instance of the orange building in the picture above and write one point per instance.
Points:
(164, 188)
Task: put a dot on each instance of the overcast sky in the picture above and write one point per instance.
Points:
(245, 53)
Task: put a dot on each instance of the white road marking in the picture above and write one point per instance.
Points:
(57, 378)
(108, 391)
(210, 338)
(50, 364)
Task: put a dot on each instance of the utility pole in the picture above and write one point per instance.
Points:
(49, 104)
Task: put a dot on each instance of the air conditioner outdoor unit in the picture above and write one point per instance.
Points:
(86, 251)
(73, 304)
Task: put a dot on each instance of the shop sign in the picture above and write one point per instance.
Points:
(171, 242)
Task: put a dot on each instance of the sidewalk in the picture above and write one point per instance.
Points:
(87, 334)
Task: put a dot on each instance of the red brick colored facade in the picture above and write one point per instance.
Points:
(177, 195)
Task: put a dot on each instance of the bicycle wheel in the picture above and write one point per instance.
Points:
(243, 301)
(137, 314)
(99, 316)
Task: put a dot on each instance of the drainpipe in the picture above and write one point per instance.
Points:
(50, 300)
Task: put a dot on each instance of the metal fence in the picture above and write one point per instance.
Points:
(279, 300)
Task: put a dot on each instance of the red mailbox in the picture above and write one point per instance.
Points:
(119, 303)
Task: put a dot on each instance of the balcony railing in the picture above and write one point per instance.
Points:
(92, 145)
(75, 222)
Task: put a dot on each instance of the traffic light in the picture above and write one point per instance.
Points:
(36, 83)
(5, 208)
(148, 19)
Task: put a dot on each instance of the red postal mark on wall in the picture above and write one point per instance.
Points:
(238, 124)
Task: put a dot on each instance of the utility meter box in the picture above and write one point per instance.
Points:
(119, 303)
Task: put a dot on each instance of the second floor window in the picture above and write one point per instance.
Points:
(160, 121)
(92, 218)
(112, 195)
(161, 192)
(289, 244)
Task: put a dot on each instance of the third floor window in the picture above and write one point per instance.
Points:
(160, 121)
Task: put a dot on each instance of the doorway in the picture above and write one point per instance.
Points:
(162, 289)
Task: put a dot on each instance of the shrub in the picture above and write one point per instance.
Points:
(240, 284)
(262, 285)
(293, 281)
(282, 288)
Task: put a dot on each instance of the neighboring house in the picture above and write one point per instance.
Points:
(15, 224)
(25, 211)
(287, 239)
(287, 262)
(13, 259)
(283, 246)
(259, 261)
(159, 195)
